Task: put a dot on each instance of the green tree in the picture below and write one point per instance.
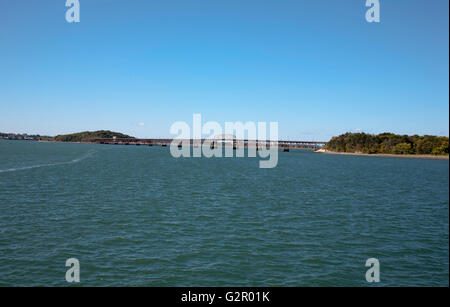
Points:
(389, 143)
(402, 148)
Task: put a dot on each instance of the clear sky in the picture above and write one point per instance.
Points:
(136, 66)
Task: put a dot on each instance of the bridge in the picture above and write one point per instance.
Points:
(236, 143)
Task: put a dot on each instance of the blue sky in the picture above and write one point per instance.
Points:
(315, 66)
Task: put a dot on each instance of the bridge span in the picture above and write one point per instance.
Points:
(283, 144)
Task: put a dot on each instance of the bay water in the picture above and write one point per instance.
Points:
(136, 216)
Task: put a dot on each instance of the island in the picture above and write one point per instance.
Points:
(89, 136)
(388, 144)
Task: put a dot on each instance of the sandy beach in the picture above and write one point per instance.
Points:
(324, 151)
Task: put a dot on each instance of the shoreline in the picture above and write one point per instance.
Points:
(430, 157)
(320, 151)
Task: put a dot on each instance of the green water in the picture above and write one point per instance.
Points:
(135, 216)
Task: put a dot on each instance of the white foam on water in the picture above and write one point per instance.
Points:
(87, 155)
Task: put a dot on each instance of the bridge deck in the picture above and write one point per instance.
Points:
(246, 143)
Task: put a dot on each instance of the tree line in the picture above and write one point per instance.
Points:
(389, 143)
(88, 136)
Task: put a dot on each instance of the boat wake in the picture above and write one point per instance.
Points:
(87, 155)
